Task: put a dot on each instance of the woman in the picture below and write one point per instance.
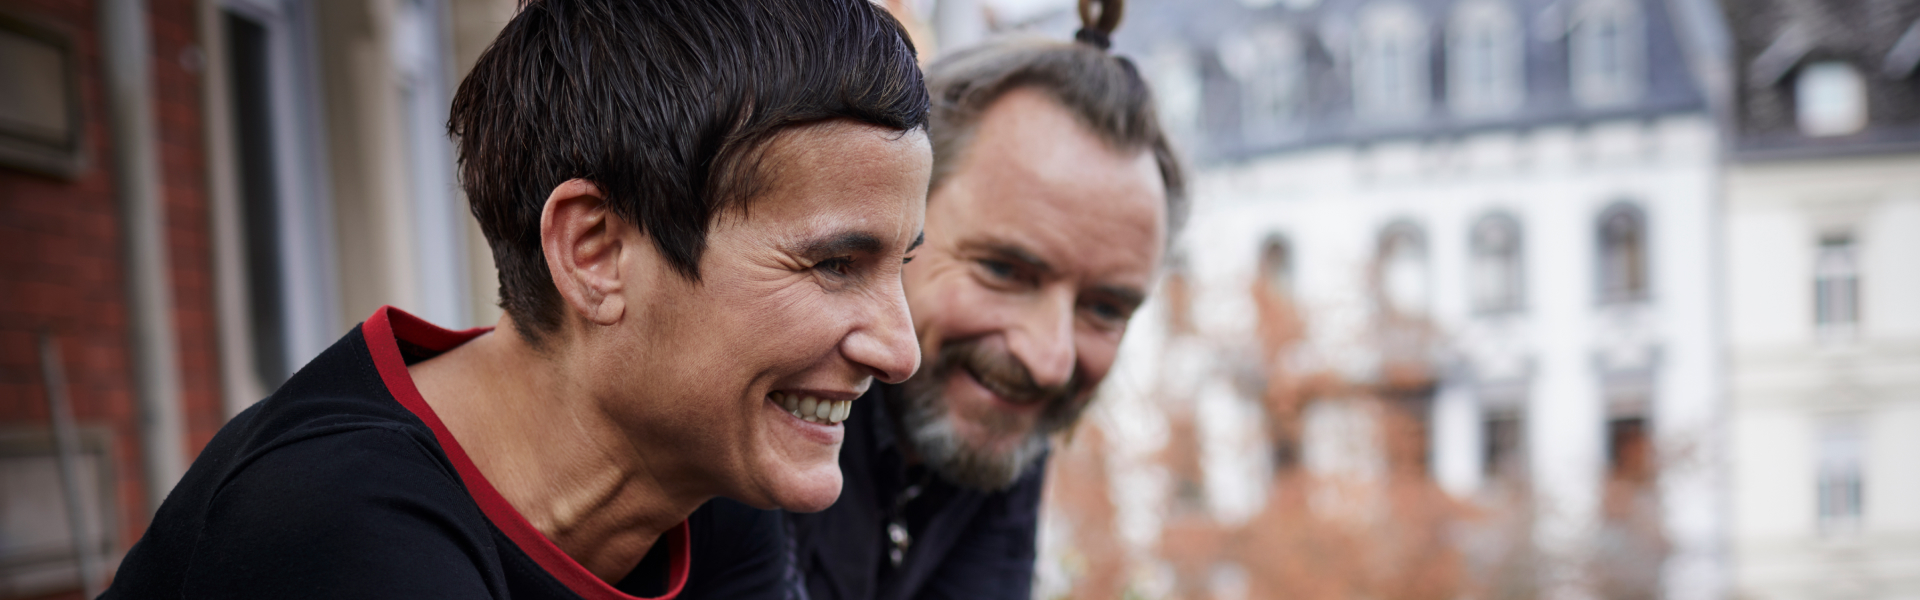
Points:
(699, 211)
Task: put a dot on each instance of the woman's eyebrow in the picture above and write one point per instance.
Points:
(850, 242)
(842, 243)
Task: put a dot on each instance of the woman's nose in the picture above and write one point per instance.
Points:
(886, 344)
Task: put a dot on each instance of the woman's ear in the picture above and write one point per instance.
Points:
(582, 240)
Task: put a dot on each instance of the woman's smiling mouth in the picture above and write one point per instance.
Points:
(812, 409)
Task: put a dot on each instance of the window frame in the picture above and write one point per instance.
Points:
(1512, 259)
(1269, 64)
(301, 282)
(1840, 449)
(1627, 81)
(1503, 63)
(1830, 80)
(1391, 85)
(1836, 284)
(55, 150)
(1639, 266)
(1384, 248)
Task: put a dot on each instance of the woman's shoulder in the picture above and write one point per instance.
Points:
(290, 500)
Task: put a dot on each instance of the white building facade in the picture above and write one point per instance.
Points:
(1823, 283)
(1533, 184)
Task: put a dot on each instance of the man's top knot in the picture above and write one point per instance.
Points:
(1093, 37)
(1097, 24)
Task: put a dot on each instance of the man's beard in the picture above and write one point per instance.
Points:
(924, 415)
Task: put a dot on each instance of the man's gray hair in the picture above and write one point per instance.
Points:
(1103, 91)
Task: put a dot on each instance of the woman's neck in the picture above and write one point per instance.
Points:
(537, 435)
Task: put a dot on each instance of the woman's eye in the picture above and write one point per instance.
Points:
(906, 260)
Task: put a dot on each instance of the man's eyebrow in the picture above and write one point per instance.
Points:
(1131, 296)
(1017, 254)
(842, 243)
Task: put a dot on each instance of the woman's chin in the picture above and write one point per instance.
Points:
(812, 490)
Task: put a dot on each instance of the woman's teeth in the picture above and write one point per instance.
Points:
(814, 410)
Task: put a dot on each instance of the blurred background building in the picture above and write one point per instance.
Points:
(196, 196)
(1480, 298)
(1482, 228)
(1822, 272)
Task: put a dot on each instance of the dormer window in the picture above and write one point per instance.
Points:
(1390, 77)
(1607, 51)
(1269, 64)
(1830, 98)
(1485, 68)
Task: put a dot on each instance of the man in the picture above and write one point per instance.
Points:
(700, 211)
(1052, 196)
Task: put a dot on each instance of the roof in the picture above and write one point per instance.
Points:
(1327, 26)
(1773, 40)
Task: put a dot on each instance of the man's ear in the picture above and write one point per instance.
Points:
(582, 241)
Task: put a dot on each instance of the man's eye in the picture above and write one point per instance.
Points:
(1107, 311)
(841, 266)
(1000, 269)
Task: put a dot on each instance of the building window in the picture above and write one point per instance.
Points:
(1836, 283)
(1270, 66)
(1485, 65)
(254, 150)
(1497, 264)
(281, 201)
(1839, 479)
(439, 232)
(1629, 449)
(1606, 47)
(1504, 445)
(40, 115)
(1276, 264)
(1402, 270)
(39, 539)
(1623, 255)
(1390, 62)
(1830, 98)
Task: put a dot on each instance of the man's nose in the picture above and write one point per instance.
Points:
(886, 344)
(1043, 340)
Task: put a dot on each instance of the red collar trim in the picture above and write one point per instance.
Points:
(382, 330)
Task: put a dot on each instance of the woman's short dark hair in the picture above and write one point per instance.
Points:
(664, 105)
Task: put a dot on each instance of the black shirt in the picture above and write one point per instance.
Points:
(963, 543)
(344, 484)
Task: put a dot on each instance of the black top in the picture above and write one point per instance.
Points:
(962, 543)
(344, 484)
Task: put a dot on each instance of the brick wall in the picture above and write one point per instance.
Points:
(60, 258)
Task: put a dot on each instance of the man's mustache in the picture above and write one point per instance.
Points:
(1005, 375)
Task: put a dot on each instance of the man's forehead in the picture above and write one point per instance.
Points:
(1040, 187)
